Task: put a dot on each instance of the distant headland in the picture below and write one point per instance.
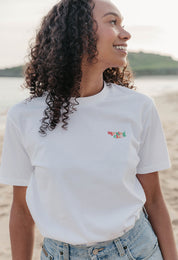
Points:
(142, 64)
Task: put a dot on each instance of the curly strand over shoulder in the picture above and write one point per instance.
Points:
(55, 59)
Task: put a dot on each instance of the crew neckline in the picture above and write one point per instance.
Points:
(94, 98)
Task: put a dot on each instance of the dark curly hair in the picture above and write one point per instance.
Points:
(55, 59)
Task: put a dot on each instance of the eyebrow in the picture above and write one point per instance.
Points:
(115, 14)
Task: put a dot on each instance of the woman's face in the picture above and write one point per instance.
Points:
(111, 34)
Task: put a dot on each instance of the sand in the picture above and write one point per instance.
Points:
(168, 110)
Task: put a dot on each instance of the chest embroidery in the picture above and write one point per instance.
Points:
(117, 134)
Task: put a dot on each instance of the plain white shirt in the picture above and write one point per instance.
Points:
(82, 184)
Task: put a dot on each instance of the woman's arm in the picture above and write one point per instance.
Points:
(158, 215)
(21, 226)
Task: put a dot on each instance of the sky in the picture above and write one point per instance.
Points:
(152, 24)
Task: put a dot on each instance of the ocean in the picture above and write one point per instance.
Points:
(11, 92)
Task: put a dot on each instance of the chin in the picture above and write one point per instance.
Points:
(119, 64)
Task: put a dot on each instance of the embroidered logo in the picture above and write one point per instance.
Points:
(117, 134)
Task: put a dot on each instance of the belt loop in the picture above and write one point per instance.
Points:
(146, 214)
(119, 246)
(66, 251)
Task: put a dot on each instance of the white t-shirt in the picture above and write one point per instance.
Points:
(82, 184)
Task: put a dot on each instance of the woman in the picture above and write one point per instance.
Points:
(85, 182)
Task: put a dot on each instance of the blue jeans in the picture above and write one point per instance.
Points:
(139, 243)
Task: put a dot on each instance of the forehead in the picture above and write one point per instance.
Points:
(103, 7)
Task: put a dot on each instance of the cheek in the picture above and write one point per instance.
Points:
(106, 38)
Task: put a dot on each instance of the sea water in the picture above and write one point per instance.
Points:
(12, 93)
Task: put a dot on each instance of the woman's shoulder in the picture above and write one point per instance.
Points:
(132, 94)
(27, 108)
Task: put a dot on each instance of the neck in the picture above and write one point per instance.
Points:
(92, 80)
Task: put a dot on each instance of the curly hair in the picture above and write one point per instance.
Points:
(55, 58)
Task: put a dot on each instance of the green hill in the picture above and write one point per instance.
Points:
(152, 64)
(141, 64)
(12, 72)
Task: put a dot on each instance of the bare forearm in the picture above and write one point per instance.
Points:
(161, 223)
(21, 229)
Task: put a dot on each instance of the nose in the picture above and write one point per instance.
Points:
(125, 35)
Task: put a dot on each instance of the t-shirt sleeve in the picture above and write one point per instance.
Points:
(153, 151)
(15, 168)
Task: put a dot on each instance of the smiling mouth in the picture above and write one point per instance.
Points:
(121, 48)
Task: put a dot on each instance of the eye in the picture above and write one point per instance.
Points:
(113, 22)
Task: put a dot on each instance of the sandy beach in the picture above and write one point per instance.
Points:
(168, 110)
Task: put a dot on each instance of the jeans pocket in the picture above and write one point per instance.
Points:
(144, 245)
(45, 254)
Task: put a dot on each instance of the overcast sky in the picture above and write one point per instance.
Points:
(152, 24)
